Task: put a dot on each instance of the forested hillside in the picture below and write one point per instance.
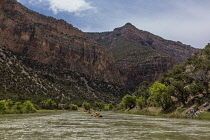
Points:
(185, 86)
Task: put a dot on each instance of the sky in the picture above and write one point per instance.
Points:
(187, 21)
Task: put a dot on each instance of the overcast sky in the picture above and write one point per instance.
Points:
(187, 21)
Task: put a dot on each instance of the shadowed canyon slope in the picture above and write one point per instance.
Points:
(58, 52)
(24, 79)
(140, 55)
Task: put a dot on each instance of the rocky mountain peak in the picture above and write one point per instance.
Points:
(127, 28)
(140, 55)
(129, 25)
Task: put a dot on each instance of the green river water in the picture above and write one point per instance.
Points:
(112, 126)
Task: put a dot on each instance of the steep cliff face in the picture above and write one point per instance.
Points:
(54, 42)
(140, 55)
(41, 58)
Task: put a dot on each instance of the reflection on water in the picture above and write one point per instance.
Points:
(115, 126)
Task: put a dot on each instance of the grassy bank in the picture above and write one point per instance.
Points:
(49, 111)
(38, 113)
(158, 112)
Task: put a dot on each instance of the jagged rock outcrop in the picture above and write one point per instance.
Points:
(140, 55)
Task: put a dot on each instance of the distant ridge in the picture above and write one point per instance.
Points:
(140, 55)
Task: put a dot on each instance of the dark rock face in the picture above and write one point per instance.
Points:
(59, 61)
(140, 55)
(149, 70)
(54, 42)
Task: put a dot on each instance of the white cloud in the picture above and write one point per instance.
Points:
(72, 6)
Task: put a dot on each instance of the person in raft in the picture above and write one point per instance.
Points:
(97, 114)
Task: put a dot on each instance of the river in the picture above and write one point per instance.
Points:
(112, 126)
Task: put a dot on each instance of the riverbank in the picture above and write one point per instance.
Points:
(48, 111)
(33, 114)
(179, 113)
(80, 109)
(150, 111)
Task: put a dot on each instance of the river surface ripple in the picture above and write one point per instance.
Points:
(112, 126)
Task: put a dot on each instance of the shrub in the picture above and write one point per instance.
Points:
(6, 107)
(109, 107)
(140, 102)
(86, 105)
(160, 96)
(17, 108)
(66, 107)
(28, 107)
(3, 107)
(73, 107)
(48, 104)
(128, 101)
(99, 105)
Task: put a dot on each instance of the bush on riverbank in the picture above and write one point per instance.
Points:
(109, 107)
(73, 107)
(98, 106)
(48, 104)
(86, 105)
(10, 107)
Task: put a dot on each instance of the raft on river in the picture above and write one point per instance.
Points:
(87, 112)
(97, 115)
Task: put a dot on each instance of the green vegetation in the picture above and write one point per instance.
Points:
(48, 104)
(160, 96)
(109, 107)
(73, 107)
(140, 102)
(101, 106)
(128, 101)
(98, 106)
(28, 107)
(9, 107)
(186, 85)
(86, 105)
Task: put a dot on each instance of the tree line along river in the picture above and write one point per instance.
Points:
(113, 126)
